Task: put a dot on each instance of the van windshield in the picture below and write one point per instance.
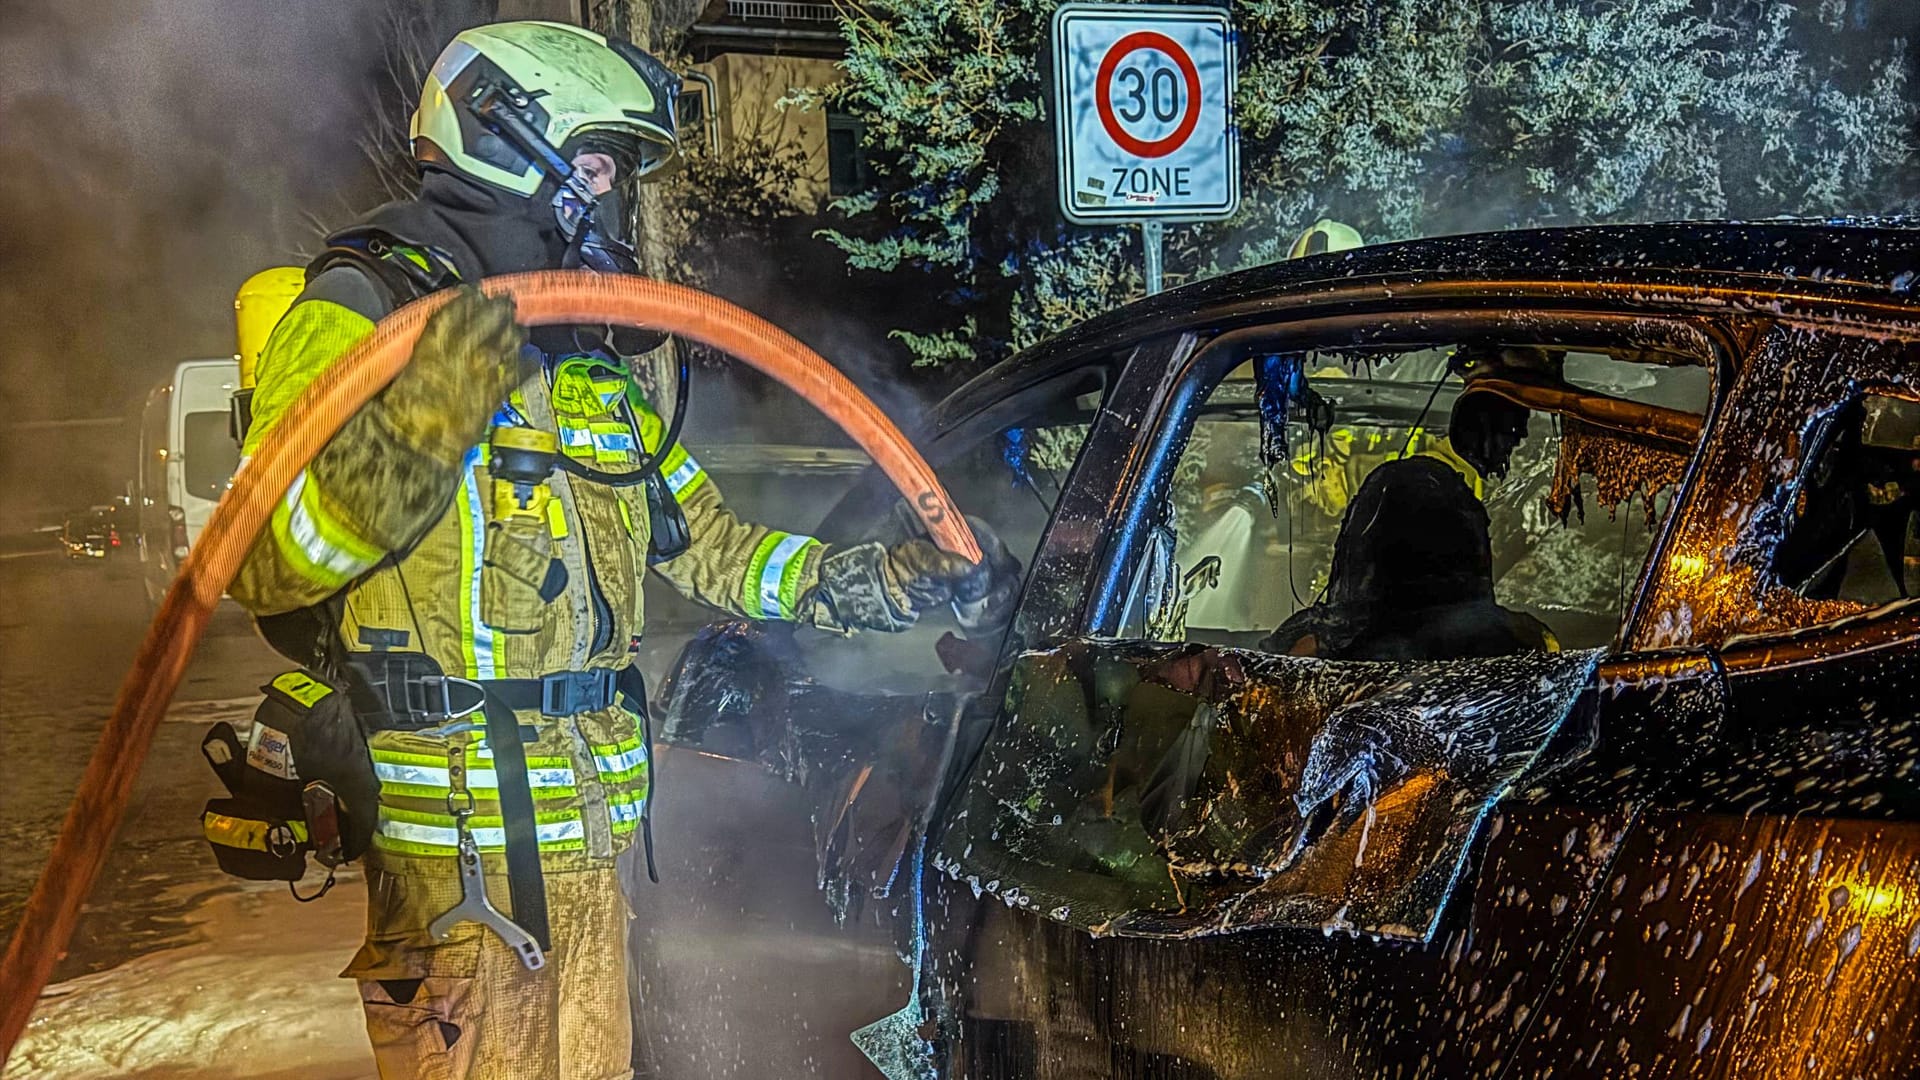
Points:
(210, 454)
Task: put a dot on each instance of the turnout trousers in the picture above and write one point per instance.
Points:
(467, 1009)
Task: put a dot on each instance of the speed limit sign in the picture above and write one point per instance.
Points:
(1144, 112)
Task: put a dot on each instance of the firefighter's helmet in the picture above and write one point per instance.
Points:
(509, 103)
(1323, 236)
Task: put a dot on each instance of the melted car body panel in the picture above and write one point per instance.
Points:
(1175, 791)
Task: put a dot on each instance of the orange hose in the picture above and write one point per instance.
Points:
(541, 299)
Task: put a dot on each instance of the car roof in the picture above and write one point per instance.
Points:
(1842, 258)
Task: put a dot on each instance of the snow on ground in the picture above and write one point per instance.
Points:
(256, 996)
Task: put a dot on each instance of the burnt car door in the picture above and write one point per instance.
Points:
(1167, 765)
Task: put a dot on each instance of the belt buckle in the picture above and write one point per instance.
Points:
(443, 684)
(566, 693)
(559, 696)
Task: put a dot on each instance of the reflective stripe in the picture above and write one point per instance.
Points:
(770, 589)
(426, 776)
(476, 752)
(685, 478)
(613, 442)
(480, 751)
(621, 760)
(476, 637)
(626, 811)
(430, 834)
(317, 545)
(573, 435)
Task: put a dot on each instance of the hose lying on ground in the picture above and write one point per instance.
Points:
(554, 297)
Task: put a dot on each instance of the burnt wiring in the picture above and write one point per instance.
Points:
(1420, 421)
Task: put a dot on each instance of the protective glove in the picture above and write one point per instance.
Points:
(393, 464)
(873, 586)
(984, 600)
(467, 360)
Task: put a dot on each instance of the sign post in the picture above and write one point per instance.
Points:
(1143, 117)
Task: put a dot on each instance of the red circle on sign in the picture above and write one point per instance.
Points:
(1103, 94)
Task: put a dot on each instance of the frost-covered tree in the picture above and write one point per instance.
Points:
(950, 96)
(1402, 117)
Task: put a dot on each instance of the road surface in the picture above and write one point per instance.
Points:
(178, 971)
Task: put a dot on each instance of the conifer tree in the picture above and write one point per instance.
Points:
(1401, 117)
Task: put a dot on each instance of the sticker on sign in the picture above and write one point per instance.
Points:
(1143, 112)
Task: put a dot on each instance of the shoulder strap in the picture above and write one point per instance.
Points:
(408, 271)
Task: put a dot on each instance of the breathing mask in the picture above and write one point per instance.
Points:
(593, 226)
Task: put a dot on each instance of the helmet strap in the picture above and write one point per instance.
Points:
(497, 108)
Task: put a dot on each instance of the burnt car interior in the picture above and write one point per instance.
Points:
(1852, 536)
(1346, 626)
(1565, 459)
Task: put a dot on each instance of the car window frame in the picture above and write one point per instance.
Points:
(1161, 433)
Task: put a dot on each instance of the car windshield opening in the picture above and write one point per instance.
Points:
(1443, 503)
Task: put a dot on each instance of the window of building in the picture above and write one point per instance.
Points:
(848, 170)
(691, 110)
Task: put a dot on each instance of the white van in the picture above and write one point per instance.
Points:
(187, 458)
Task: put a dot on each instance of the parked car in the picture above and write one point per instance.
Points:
(1143, 835)
(93, 533)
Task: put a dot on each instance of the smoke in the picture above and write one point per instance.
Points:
(156, 154)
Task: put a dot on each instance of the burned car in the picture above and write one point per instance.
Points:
(1485, 656)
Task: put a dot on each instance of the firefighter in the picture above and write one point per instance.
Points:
(480, 608)
(1330, 470)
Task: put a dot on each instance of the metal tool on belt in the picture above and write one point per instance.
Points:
(474, 905)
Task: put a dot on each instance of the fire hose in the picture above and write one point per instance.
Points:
(546, 298)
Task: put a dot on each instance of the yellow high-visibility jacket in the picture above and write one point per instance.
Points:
(458, 569)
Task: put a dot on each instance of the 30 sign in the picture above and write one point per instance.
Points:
(1143, 112)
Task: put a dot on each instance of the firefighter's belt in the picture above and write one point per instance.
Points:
(414, 696)
(562, 693)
